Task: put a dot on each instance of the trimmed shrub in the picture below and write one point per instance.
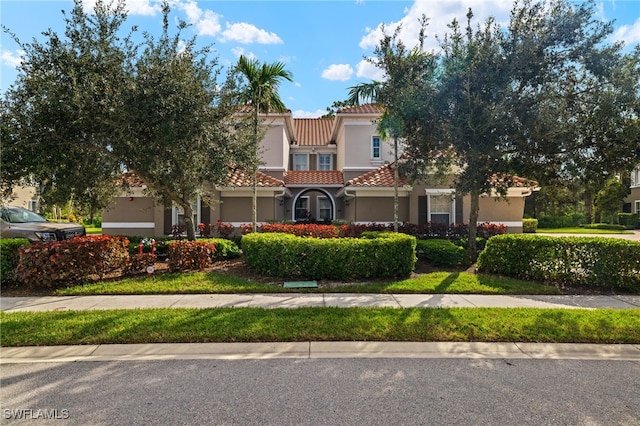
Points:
(63, 262)
(529, 226)
(187, 255)
(441, 252)
(302, 230)
(224, 249)
(9, 257)
(139, 263)
(562, 221)
(629, 220)
(589, 261)
(604, 226)
(286, 255)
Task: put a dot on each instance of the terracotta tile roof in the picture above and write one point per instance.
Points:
(130, 179)
(240, 178)
(313, 131)
(514, 181)
(380, 177)
(314, 177)
(362, 109)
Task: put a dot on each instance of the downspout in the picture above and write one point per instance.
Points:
(275, 206)
(347, 197)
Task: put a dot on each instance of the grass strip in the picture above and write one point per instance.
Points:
(213, 282)
(320, 324)
(578, 230)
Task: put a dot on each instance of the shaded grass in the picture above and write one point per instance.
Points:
(578, 230)
(213, 282)
(320, 324)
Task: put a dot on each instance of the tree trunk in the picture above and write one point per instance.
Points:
(254, 195)
(395, 185)
(472, 249)
(254, 203)
(188, 221)
(588, 205)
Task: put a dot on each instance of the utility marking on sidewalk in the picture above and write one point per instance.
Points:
(300, 284)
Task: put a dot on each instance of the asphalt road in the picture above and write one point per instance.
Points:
(323, 392)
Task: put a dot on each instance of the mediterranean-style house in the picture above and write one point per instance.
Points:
(632, 202)
(322, 169)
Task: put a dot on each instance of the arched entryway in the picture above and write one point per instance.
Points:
(314, 204)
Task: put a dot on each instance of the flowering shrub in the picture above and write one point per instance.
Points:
(62, 262)
(302, 230)
(222, 229)
(191, 255)
(139, 263)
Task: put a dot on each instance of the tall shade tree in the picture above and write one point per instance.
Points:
(55, 117)
(503, 96)
(408, 72)
(260, 93)
(154, 109)
(177, 127)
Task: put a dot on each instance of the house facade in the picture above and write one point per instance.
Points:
(632, 202)
(320, 169)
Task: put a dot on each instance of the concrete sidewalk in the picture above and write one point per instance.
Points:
(296, 300)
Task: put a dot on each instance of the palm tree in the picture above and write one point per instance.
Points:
(261, 94)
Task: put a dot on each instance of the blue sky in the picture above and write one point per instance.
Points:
(323, 43)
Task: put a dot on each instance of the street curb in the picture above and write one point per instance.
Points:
(318, 350)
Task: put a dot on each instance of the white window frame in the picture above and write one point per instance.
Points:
(176, 211)
(33, 205)
(375, 139)
(438, 193)
(321, 155)
(307, 200)
(301, 156)
(321, 199)
(637, 205)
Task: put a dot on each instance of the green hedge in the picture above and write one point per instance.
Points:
(9, 257)
(529, 226)
(225, 249)
(604, 226)
(284, 255)
(629, 220)
(590, 261)
(441, 252)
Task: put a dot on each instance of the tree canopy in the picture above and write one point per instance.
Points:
(93, 98)
(541, 96)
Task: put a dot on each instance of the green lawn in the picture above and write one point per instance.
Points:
(578, 230)
(201, 282)
(320, 324)
(92, 230)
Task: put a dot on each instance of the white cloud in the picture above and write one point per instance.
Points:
(239, 51)
(143, 7)
(206, 22)
(444, 11)
(629, 34)
(340, 72)
(12, 59)
(245, 33)
(209, 24)
(133, 7)
(366, 69)
(308, 114)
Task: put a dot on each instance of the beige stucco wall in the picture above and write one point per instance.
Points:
(633, 197)
(275, 145)
(498, 210)
(20, 196)
(357, 149)
(238, 210)
(133, 216)
(377, 209)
